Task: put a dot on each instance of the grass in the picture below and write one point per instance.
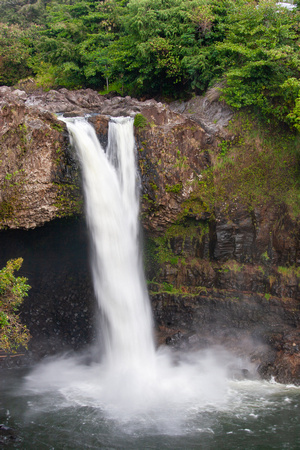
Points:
(140, 121)
(233, 266)
(258, 167)
(289, 273)
(175, 188)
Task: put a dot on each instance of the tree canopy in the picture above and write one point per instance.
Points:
(173, 48)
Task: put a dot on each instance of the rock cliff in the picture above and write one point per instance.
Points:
(220, 220)
(38, 175)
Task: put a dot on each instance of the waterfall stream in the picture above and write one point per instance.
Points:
(132, 377)
(112, 206)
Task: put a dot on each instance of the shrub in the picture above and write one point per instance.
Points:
(140, 121)
(13, 333)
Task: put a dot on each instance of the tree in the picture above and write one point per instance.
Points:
(75, 41)
(157, 35)
(169, 47)
(14, 53)
(260, 59)
(13, 333)
(22, 12)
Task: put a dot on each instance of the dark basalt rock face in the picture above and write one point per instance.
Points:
(267, 331)
(222, 275)
(60, 310)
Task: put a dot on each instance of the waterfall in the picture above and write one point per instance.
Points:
(133, 384)
(111, 192)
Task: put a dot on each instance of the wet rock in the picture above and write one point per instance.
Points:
(266, 333)
(241, 374)
(7, 435)
(234, 239)
(39, 177)
(175, 341)
(208, 111)
(186, 341)
(284, 366)
(100, 124)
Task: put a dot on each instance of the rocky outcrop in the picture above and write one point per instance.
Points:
(211, 114)
(38, 175)
(223, 264)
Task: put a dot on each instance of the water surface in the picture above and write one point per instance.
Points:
(253, 415)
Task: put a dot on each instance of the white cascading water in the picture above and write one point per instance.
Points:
(112, 208)
(134, 384)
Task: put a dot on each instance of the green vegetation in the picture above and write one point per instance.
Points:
(177, 292)
(57, 127)
(260, 167)
(15, 51)
(232, 266)
(12, 292)
(68, 200)
(159, 251)
(289, 273)
(261, 59)
(140, 121)
(176, 188)
(249, 50)
(6, 210)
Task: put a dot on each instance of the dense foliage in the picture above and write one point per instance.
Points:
(12, 292)
(173, 48)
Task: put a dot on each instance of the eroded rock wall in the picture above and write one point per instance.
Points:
(38, 174)
(222, 271)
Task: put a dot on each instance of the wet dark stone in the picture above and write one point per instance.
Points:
(175, 340)
(7, 435)
(186, 341)
(60, 308)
